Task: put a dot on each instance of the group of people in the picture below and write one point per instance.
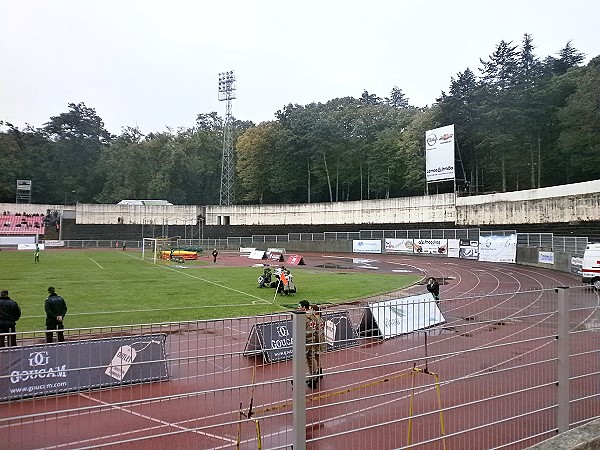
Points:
(10, 312)
(283, 282)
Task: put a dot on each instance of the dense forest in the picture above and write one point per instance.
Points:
(521, 122)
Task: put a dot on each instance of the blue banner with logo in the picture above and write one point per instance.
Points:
(71, 366)
(274, 339)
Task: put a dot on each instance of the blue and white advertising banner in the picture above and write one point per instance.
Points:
(498, 248)
(404, 315)
(439, 154)
(546, 257)
(76, 365)
(366, 246)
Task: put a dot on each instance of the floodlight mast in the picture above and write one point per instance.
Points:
(227, 93)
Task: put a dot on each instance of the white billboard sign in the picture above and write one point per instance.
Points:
(405, 315)
(498, 248)
(366, 246)
(399, 245)
(439, 154)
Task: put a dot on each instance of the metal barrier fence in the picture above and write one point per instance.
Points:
(570, 244)
(503, 370)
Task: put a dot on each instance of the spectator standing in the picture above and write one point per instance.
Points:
(215, 253)
(320, 338)
(9, 314)
(56, 309)
(312, 345)
(434, 287)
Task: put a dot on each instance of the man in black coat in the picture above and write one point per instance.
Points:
(9, 314)
(56, 309)
(434, 287)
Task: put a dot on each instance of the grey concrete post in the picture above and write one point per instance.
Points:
(299, 368)
(562, 419)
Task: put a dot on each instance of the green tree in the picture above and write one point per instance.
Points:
(579, 140)
(77, 138)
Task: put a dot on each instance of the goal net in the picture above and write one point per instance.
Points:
(154, 249)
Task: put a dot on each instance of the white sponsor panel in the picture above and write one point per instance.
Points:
(498, 248)
(468, 249)
(453, 248)
(257, 254)
(439, 154)
(30, 247)
(405, 315)
(121, 362)
(546, 257)
(399, 246)
(576, 264)
(245, 251)
(366, 246)
(432, 246)
(53, 243)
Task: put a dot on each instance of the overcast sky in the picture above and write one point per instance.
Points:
(155, 64)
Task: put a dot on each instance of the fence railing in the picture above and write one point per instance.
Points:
(571, 244)
(504, 370)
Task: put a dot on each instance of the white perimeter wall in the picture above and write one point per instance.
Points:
(578, 202)
(432, 208)
(146, 214)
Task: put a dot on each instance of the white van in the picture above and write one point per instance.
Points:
(590, 271)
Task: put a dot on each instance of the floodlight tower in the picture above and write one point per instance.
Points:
(227, 94)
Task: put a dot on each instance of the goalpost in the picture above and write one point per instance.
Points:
(154, 248)
(149, 249)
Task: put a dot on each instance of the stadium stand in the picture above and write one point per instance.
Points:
(22, 224)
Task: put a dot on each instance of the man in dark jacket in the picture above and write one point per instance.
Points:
(434, 287)
(56, 308)
(9, 314)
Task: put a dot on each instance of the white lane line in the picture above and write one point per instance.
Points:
(96, 263)
(161, 422)
(213, 282)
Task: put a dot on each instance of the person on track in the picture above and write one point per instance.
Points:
(434, 287)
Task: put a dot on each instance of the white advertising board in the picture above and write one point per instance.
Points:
(399, 246)
(546, 257)
(498, 248)
(30, 246)
(468, 249)
(432, 246)
(405, 315)
(366, 246)
(439, 154)
(453, 248)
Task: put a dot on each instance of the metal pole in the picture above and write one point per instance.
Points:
(562, 419)
(299, 368)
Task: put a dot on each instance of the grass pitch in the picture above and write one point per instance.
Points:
(105, 288)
